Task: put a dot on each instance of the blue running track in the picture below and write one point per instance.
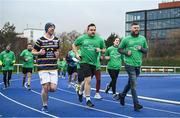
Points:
(160, 96)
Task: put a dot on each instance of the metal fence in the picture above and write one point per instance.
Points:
(144, 69)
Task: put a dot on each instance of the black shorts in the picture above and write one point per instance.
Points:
(26, 70)
(80, 75)
(88, 70)
(71, 70)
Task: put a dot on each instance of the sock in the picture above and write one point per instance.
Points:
(88, 98)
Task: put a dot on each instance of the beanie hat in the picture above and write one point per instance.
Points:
(48, 25)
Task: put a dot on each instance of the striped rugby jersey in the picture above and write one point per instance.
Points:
(48, 61)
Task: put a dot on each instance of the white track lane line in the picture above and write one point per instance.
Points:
(148, 98)
(71, 103)
(108, 112)
(21, 104)
(172, 112)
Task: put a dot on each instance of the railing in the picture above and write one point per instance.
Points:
(154, 69)
(145, 69)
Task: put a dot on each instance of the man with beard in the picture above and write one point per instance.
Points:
(90, 45)
(132, 47)
(28, 63)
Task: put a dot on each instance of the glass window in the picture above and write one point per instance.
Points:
(152, 15)
(142, 33)
(175, 12)
(135, 16)
(128, 26)
(142, 25)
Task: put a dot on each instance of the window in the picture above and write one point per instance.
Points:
(136, 16)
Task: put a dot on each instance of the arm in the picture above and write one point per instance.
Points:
(13, 60)
(107, 55)
(122, 51)
(143, 50)
(74, 48)
(41, 52)
(56, 54)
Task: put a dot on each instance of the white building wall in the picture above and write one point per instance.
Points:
(33, 34)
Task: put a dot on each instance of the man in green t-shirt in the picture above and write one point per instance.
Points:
(132, 47)
(7, 58)
(90, 45)
(28, 63)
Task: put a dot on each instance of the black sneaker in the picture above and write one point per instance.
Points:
(137, 107)
(107, 88)
(115, 97)
(29, 87)
(80, 97)
(121, 99)
(44, 109)
(89, 103)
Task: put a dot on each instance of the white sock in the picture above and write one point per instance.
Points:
(88, 98)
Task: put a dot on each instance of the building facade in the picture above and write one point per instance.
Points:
(33, 34)
(156, 23)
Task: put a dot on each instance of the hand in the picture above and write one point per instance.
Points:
(11, 64)
(56, 54)
(139, 47)
(78, 57)
(98, 50)
(129, 53)
(107, 57)
(102, 57)
(25, 59)
(42, 52)
(75, 60)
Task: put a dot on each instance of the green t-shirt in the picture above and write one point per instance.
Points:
(7, 59)
(62, 65)
(88, 47)
(29, 57)
(131, 43)
(115, 61)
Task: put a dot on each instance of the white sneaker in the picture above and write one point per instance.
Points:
(97, 96)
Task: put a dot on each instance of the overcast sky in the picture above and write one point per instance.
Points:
(68, 15)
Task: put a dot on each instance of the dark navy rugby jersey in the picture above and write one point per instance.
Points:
(48, 61)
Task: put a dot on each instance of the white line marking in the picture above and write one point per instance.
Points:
(148, 98)
(71, 103)
(126, 103)
(26, 105)
(146, 75)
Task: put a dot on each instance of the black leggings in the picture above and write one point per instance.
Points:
(114, 75)
(7, 73)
